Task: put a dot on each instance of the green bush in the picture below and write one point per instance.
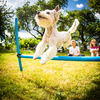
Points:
(30, 43)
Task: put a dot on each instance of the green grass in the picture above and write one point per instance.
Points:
(86, 53)
(56, 80)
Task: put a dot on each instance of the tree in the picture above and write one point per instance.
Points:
(28, 43)
(51, 4)
(88, 26)
(6, 15)
(27, 13)
(87, 29)
(94, 5)
(26, 16)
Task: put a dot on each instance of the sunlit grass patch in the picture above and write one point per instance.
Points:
(56, 80)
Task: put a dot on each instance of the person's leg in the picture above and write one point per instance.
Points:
(97, 54)
(92, 54)
(70, 54)
(82, 55)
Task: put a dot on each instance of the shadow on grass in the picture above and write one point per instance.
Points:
(56, 95)
(7, 51)
(93, 94)
(8, 91)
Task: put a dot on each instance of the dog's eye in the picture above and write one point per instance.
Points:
(47, 12)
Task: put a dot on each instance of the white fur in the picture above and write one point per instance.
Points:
(48, 19)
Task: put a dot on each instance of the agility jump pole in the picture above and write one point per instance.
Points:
(17, 44)
(61, 58)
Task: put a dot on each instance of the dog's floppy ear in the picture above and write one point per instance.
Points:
(57, 8)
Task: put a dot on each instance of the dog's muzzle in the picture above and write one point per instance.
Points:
(40, 16)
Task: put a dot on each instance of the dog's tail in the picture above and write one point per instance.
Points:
(74, 26)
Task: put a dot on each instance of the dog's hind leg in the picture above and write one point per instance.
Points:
(39, 49)
(66, 44)
(49, 54)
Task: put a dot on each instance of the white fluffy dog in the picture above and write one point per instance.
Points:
(48, 19)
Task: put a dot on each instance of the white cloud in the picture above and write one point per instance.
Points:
(18, 3)
(63, 12)
(97, 15)
(79, 5)
(23, 34)
(75, 0)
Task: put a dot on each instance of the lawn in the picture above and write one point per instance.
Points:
(56, 80)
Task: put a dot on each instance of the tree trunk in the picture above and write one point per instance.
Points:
(83, 40)
(85, 47)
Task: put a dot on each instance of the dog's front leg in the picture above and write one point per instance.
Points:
(49, 54)
(39, 49)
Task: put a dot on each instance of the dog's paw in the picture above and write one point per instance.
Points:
(35, 58)
(42, 62)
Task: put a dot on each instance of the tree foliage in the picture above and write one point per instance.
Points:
(27, 13)
(51, 4)
(28, 43)
(6, 15)
(94, 5)
(26, 16)
(87, 29)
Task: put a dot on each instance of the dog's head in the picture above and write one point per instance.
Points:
(48, 17)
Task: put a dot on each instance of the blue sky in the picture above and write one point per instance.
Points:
(71, 3)
(76, 4)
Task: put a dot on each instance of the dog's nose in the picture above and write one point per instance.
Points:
(38, 13)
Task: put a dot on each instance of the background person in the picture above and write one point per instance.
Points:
(94, 48)
(74, 50)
